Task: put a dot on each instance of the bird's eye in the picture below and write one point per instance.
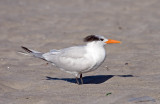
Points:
(101, 39)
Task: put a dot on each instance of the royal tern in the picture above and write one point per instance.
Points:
(77, 59)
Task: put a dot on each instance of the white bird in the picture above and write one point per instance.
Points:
(77, 59)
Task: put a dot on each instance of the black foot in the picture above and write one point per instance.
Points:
(81, 78)
(77, 81)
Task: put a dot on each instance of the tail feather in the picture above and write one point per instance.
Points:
(26, 49)
(33, 52)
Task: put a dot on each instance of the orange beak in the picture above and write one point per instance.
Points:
(112, 41)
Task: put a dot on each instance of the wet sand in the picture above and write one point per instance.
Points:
(134, 69)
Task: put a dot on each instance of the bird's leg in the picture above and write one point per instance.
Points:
(77, 80)
(81, 78)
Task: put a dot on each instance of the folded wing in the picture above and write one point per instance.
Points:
(69, 59)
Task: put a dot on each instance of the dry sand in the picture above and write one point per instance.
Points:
(47, 24)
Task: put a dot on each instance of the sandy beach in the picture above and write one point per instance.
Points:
(133, 74)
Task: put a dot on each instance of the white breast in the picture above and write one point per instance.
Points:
(97, 55)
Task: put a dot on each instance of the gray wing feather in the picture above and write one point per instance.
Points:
(69, 59)
(73, 52)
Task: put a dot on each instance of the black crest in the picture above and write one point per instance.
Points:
(91, 38)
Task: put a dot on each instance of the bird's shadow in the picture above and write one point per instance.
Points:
(97, 79)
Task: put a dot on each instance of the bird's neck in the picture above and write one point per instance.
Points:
(96, 50)
(95, 44)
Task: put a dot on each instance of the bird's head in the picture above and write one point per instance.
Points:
(97, 39)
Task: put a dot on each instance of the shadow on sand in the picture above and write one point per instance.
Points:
(97, 79)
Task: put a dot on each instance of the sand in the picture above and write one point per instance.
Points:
(134, 65)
